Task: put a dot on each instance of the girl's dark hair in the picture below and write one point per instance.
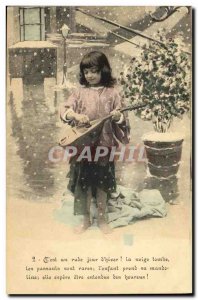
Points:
(99, 60)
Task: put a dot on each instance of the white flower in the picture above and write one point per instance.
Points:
(141, 87)
(172, 85)
(150, 66)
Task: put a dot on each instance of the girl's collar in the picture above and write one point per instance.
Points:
(96, 87)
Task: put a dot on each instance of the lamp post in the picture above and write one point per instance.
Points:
(65, 30)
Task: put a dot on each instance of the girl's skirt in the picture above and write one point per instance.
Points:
(84, 175)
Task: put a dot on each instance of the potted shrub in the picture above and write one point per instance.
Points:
(160, 76)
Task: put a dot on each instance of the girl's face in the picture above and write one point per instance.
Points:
(92, 76)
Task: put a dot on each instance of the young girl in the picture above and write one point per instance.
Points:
(96, 98)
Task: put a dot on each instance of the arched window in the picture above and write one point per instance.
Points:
(32, 23)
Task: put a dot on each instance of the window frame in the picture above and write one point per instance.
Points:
(41, 24)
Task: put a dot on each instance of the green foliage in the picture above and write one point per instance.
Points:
(161, 78)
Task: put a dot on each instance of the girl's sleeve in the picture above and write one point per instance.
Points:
(122, 127)
(69, 105)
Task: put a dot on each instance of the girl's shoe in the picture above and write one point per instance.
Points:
(104, 227)
(83, 227)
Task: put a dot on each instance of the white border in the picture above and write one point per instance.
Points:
(2, 155)
(98, 3)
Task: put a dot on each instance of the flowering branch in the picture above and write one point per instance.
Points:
(160, 78)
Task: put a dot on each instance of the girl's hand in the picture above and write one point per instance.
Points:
(116, 115)
(83, 119)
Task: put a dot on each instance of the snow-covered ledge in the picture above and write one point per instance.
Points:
(163, 137)
(33, 44)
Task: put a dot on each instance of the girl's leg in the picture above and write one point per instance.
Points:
(102, 204)
(86, 217)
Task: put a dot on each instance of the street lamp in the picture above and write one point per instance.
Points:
(65, 30)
